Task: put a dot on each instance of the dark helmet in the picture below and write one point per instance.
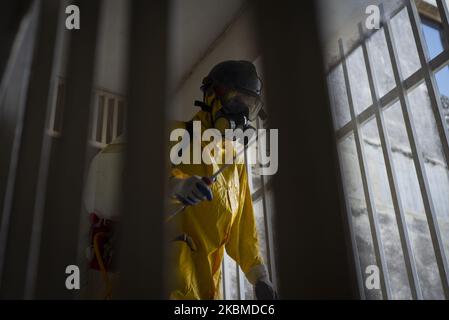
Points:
(238, 75)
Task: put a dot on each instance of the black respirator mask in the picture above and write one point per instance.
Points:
(236, 112)
(232, 95)
(233, 114)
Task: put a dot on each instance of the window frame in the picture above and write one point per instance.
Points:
(54, 122)
(425, 74)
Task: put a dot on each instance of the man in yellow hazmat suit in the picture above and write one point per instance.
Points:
(217, 216)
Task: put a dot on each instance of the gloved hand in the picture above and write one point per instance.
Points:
(190, 191)
(264, 290)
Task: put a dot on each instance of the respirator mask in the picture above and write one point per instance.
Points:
(232, 95)
(236, 112)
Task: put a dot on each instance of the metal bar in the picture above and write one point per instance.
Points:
(418, 160)
(229, 285)
(51, 119)
(367, 186)
(347, 208)
(227, 279)
(124, 116)
(18, 45)
(13, 35)
(146, 168)
(267, 214)
(18, 67)
(58, 238)
(255, 195)
(224, 280)
(104, 125)
(241, 283)
(343, 132)
(444, 14)
(429, 77)
(236, 268)
(38, 99)
(44, 163)
(439, 61)
(266, 228)
(94, 119)
(115, 119)
(435, 63)
(346, 205)
(409, 257)
(411, 82)
(285, 58)
(366, 115)
(388, 98)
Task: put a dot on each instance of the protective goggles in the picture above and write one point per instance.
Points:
(238, 102)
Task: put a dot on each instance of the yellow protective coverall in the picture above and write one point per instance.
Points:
(226, 222)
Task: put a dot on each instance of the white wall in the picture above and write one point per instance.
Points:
(202, 33)
(194, 26)
(237, 43)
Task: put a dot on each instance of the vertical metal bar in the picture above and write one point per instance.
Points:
(269, 241)
(236, 268)
(347, 209)
(146, 166)
(444, 14)
(13, 36)
(125, 115)
(392, 177)
(19, 64)
(115, 118)
(227, 278)
(251, 187)
(54, 101)
(268, 216)
(223, 279)
(432, 86)
(310, 184)
(14, 260)
(104, 125)
(367, 186)
(44, 163)
(227, 274)
(58, 239)
(418, 161)
(94, 119)
(241, 282)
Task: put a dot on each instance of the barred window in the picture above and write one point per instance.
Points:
(389, 98)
